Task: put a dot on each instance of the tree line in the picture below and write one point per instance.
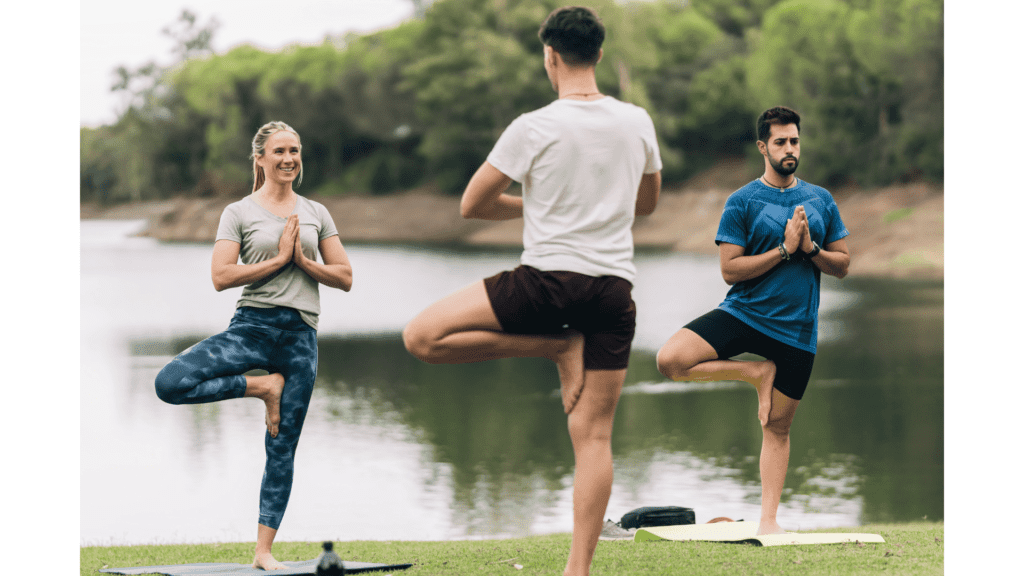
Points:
(423, 102)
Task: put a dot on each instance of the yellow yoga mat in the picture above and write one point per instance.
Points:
(744, 532)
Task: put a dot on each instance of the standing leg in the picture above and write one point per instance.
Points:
(590, 428)
(462, 328)
(295, 356)
(263, 559)
(775, 460)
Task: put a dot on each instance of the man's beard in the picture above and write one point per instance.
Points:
(781, 169)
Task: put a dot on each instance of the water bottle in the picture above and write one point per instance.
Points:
(328, 563)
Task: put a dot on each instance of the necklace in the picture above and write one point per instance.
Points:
(579, 94)
(766, 183)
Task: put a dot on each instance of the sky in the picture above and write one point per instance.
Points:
(128, 32)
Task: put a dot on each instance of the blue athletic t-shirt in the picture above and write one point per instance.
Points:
(783, 302)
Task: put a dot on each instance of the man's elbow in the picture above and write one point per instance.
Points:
(469, 210)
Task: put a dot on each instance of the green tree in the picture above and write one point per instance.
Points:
(901, 43)
(698, 92)
(804, 59)
(866, 76)
(734, 17)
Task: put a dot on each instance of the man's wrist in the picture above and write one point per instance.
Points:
(814, 250)
(783, 251)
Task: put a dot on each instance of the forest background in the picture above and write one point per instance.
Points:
(420, 105)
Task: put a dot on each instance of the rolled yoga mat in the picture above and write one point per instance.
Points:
(222, 569)
(744, 532)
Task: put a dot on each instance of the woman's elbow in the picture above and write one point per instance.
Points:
(344, 281)
(219, 284)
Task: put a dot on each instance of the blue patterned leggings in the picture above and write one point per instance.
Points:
(271, 339)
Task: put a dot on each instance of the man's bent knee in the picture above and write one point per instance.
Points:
(418, 342)
(672, 362)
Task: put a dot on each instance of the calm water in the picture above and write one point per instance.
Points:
(394, 449)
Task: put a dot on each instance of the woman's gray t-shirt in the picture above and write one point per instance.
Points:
(259, 231)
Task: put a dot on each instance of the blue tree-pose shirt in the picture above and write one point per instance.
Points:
(783, 302)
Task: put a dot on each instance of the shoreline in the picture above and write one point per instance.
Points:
(895, 232)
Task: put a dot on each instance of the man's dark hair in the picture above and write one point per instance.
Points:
(780, 115)
(576, 33)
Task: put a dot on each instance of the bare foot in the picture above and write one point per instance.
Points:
(266, 561)
(570, 369)
(764, 392)
(769, 527)
(268, 388)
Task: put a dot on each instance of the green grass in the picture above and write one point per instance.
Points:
(916, 548)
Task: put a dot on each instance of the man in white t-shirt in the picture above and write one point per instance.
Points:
(588, 164)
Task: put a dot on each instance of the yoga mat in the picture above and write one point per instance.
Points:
(744, 532)
(222, 569)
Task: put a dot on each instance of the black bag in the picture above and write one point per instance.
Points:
(657, 516)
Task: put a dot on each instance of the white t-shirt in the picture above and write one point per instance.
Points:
(580, 165)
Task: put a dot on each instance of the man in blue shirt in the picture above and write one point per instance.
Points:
(777, 235)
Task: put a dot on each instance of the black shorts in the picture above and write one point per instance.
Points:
(530, 301)
(729, 336)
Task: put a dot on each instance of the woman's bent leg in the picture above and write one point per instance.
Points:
(210, 371)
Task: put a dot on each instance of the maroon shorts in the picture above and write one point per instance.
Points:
(530, 301)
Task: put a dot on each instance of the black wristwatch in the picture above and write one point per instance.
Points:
(814, 251)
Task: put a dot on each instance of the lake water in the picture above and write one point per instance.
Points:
(395, 449)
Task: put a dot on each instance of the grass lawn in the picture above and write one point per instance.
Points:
(915, 548)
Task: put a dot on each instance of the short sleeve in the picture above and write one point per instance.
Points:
(327, 227)
(732, 227)
(512, 153)
(230, 227)
(835, 230)
(650, 139)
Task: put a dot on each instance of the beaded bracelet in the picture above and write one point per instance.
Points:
(783, 251)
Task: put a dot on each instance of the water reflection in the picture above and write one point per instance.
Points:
(496, 433)
(397, 449)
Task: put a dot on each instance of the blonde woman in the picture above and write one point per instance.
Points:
(277, 234)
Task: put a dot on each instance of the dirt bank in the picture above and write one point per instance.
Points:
(895, 232)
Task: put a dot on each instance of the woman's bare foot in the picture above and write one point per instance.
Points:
(266, 561)
(769, 527)
(570, 369)
(268, 388)
(764, 392)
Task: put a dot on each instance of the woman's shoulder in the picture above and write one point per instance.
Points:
(237, 210)
(240, 205)
(310, 203)
(313, 207)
